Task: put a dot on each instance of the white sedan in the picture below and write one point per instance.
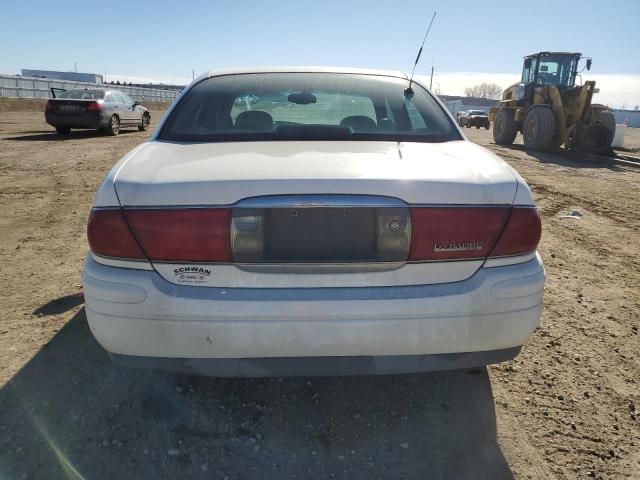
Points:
(310, 221)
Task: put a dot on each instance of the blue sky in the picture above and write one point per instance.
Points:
(167, 39)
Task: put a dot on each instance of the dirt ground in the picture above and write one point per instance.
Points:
(567, 407)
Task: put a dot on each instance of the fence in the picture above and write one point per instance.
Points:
(16, 86)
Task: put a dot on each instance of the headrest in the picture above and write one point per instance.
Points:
(254, 120)
(359, 123)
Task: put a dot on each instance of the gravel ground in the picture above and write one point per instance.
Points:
(566, 408)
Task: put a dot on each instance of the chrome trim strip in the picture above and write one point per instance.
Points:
(492, 262)
(319, 200)
(302, 264)
(111, 207)
(320, 267)
(121, 263)
(385, 203)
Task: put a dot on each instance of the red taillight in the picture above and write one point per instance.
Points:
(109, 235)
(183, 235)
(521, 234)
(454, 233)
(458, 233)
(94, 106)
(49, 105)
(203, 235)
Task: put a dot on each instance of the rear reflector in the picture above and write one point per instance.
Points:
(94, 106)
(109, 235)
(182, 235)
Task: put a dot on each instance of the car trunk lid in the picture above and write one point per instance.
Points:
(452, 173)
(70, 107)
(314, 214)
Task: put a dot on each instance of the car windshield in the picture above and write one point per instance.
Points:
(306, 106)
(82, 94)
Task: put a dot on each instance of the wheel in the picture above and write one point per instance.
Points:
(594, 138)
(556, 142)
(486, 126)
(477, 125)
(504, 127)
(538, 128)
(145, 123)
(63, 130)
(114, 125)
(607, 120)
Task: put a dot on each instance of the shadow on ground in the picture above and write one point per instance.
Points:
(60, 305)
(69, 413)
(52, 136)
(565, 158)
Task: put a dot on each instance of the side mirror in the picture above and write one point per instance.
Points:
(588, 64)
(136, 102)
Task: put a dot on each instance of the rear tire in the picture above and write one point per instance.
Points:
(145, 123)
(607, 120)
(114, 125)
(63, 130)
(477, 125)
(504, 127)
(556, 142)
(486, 127)
(538, 128)
(594, 138)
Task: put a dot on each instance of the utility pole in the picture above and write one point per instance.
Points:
(193, 74)
(75, 66)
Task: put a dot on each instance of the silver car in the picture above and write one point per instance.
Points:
(106, 110)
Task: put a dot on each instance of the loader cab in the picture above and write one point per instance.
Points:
(551, 68)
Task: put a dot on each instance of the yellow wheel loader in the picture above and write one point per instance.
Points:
(550, 110)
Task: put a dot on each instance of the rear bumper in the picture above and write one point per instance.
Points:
(137, 313)
(482, 122)
(316, 366)
(87, 120)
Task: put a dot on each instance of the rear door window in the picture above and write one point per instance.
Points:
(126, 98)
(82, 94)
(115, 97)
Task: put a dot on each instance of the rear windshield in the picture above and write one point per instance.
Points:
(82, 94)
(306, 106)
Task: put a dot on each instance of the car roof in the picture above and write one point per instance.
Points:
(309, 69)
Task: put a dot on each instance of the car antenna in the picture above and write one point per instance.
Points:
(409, 91)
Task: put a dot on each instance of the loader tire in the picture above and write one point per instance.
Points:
(538, 128)
(594, 138)
(556, 141)
(504, 127)
(607, 120)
